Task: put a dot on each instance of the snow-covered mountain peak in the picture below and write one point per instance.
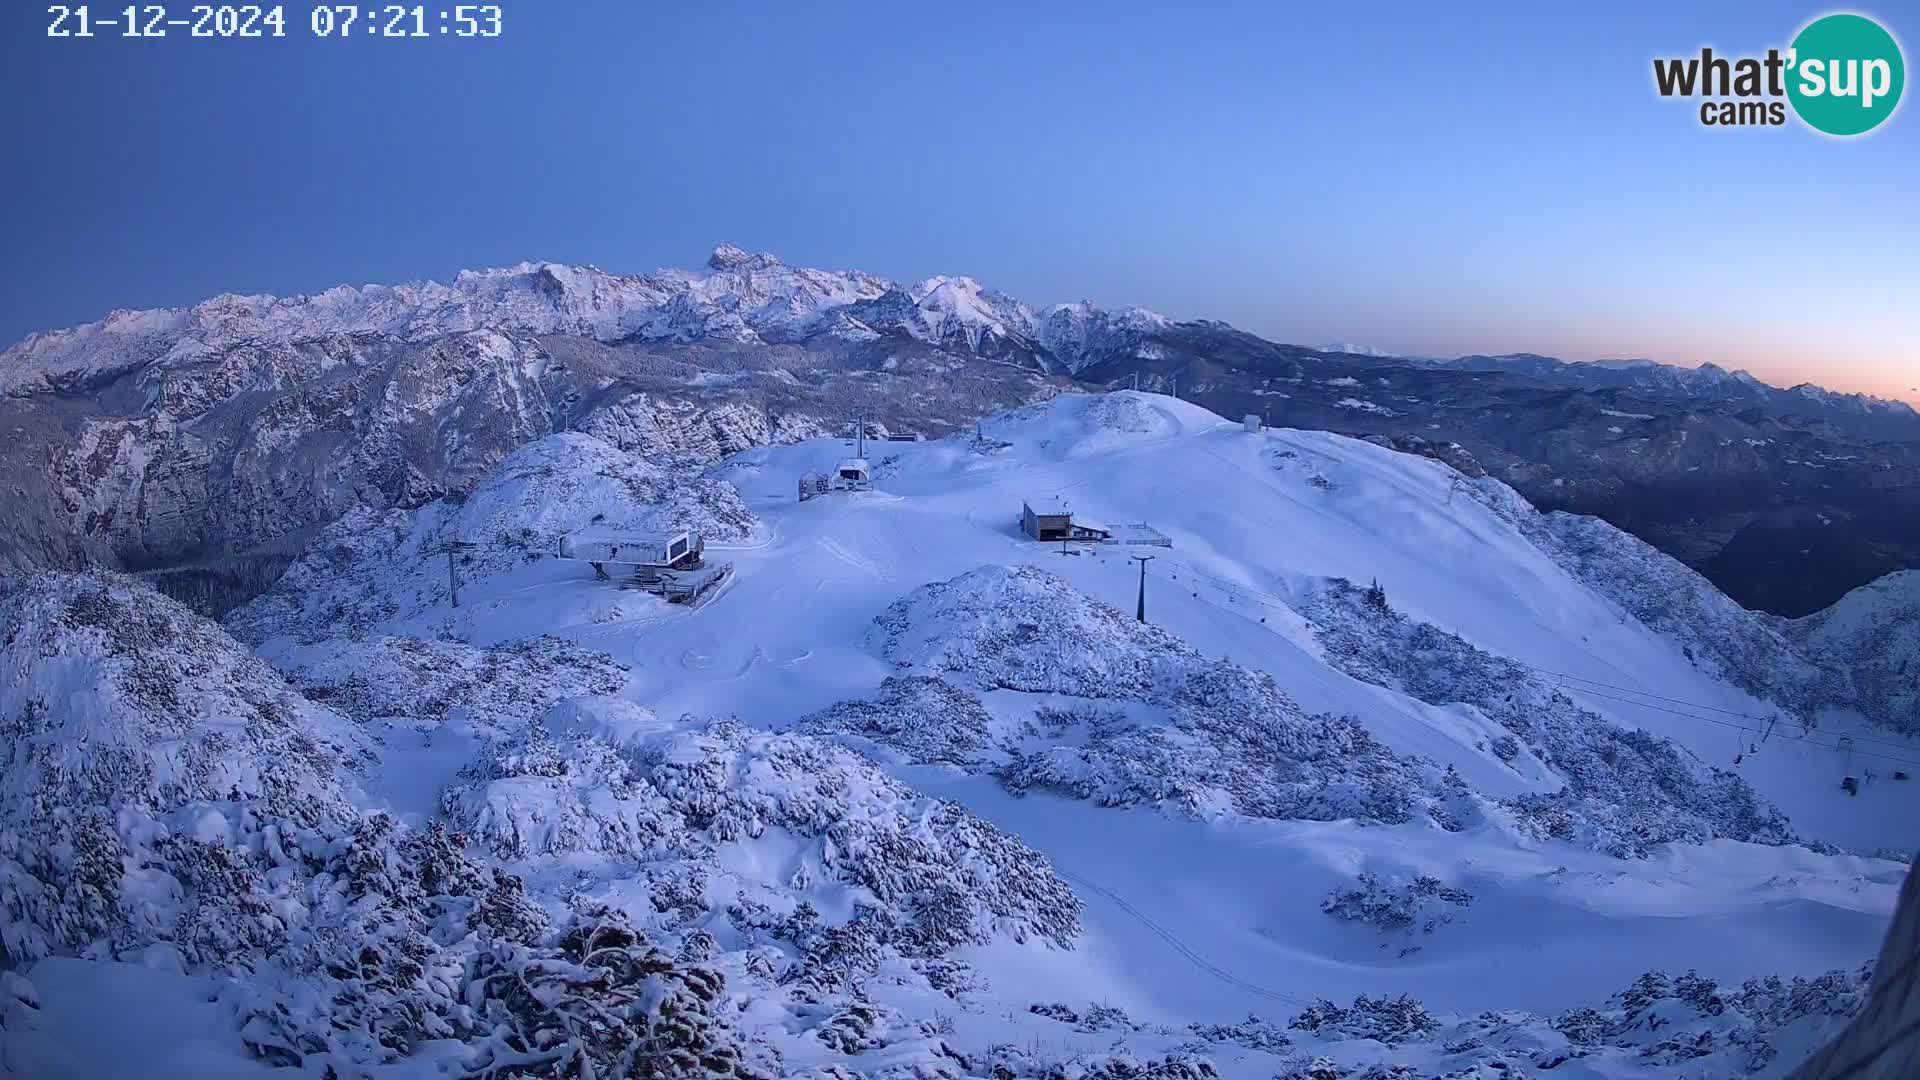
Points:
(961, 305)
(1081, 332)
(1352, 349)
(1855, 403)
(738, 296)
(948, 292)
(734, 257)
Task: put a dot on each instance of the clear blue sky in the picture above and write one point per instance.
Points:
(1420, 177)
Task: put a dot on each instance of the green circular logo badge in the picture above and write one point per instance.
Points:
(1845, 74)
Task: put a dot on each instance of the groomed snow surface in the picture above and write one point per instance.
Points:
(1254, 811)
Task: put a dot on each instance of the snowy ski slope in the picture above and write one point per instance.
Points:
(1189, 918)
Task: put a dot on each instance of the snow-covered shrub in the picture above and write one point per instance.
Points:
(20, 1015)
(413, 681)
(837, 959)
(1664, 1020)
(1009, 1062)
(1626, 790)
(1659, 1025)
(925, 717)
(602, 1002)
(535, 795)
(377, 566)
(378, 939)
(860, 1026)
(1424, 903)
(1269, 765)
(1096, 1016)
(1388, 1020)
(1320, 1067)
(1022, 628)
(1217, 738)
(1253, 1033)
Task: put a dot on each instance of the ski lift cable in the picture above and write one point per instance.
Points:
(1561, 678)
(1561, 675)
(1727, 712)
(1742, 727)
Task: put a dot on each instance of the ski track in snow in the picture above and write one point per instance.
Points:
(1173, 940)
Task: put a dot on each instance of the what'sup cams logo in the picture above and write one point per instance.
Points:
(1842, 76)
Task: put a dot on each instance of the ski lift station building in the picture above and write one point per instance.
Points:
(676, 550)
(1050, 519)
(672, 565)
(852, 475)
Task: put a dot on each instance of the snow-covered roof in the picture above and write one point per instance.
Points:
(616, 536)
(1048, 504)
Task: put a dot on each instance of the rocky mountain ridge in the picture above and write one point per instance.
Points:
(219, 438)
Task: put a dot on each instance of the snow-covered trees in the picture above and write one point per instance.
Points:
(922, 716)
(1869, 643)
(135, 734)
(425, 682)
(1746, 649)
(1424, 903)
(171, 800)
(1683, 1025)
(669, 797)
(1386, 1020)
(1207, 735)
(1626, 790)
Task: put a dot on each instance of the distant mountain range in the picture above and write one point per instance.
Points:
(1707, 381)
(235, 428)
